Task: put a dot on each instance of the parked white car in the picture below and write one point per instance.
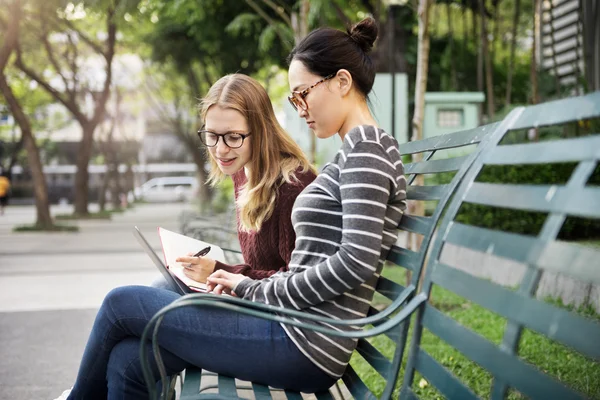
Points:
(168, 189)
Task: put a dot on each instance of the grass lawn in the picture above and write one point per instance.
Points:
(563, 363)
(54, 228)
(106, 214)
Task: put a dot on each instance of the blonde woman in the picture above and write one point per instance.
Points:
(245, 141)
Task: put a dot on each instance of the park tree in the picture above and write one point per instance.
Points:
(75, 39)
(424, 9)
(513, 47)
(11, 27)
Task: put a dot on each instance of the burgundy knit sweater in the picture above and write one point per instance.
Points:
(269, 250)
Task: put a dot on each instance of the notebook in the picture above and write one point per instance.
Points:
(175, 245)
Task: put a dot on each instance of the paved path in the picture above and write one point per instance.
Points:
(51, 285)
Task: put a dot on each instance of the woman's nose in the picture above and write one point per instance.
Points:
(302, 113)
(222, 148)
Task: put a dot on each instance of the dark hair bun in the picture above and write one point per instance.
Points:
(364, 33)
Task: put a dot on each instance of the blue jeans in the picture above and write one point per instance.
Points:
(161, 283)
(217, 340)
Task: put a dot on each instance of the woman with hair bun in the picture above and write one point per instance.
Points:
(345, 223)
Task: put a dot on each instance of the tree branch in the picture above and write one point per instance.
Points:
(279, 12)
(73, 65)
(110, 52)
(208, 79)
(341, 14)
(156, 105)
(95, 46)
(369, 6)
(266, 17)
(11, 35)
(70, 104)
(284, 5)
(50, 52)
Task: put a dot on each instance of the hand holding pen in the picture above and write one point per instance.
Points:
(196, 266)
(202, 252)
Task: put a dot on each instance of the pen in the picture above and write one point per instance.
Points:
(202, 252)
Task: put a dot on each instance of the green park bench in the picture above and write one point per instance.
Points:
(421, 344)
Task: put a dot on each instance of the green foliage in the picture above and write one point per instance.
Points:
(527, 222)
(220, 33)
(39, 228)
(244, 24)
(465, 62)
(268, 37)
(106, 214)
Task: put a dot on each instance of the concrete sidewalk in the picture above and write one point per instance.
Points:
(51, 285)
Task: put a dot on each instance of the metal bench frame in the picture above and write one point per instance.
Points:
(425, 270)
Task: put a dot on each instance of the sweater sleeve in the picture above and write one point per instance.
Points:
(247, 270)
(366, 178)
(283, 237)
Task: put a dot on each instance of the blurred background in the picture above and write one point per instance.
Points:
(100, 96)
(98, 121)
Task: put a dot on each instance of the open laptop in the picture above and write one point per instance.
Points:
(177, 285)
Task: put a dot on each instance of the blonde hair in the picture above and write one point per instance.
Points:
(275, 156)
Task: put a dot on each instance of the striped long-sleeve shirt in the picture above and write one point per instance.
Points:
(345, 224)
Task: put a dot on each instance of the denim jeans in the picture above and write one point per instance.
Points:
(217, 340)
(161, 283)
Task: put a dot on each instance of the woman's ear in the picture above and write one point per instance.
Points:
(344, 80)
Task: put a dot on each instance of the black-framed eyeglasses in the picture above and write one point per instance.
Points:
(297, 98)
(233, 140)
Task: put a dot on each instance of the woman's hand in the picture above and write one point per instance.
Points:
(197, 268)
(223, 282)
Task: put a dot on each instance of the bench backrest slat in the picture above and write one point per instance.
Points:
(545, 152)
(527, 378)
(416, 224)
(558, 112)
(449, 141)
(435, 166)
(427, 193)
(495, 332)
(464, 145)
(573, 330)
(551, 198)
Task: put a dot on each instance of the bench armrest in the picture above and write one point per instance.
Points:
(246, 305)
(271, 313)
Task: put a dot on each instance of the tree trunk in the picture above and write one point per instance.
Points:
(102, 193)
(205, 192)
(489, 78)
(82, 176)
(453, 80)
(115, 182)
(477, 40)
(421, 86)
(534, 50)
(465, 29)
(88, 125)
(43, 218)
(513, 46)
(534, 71)
(300, 28)
(590, 14)
(496, 28)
